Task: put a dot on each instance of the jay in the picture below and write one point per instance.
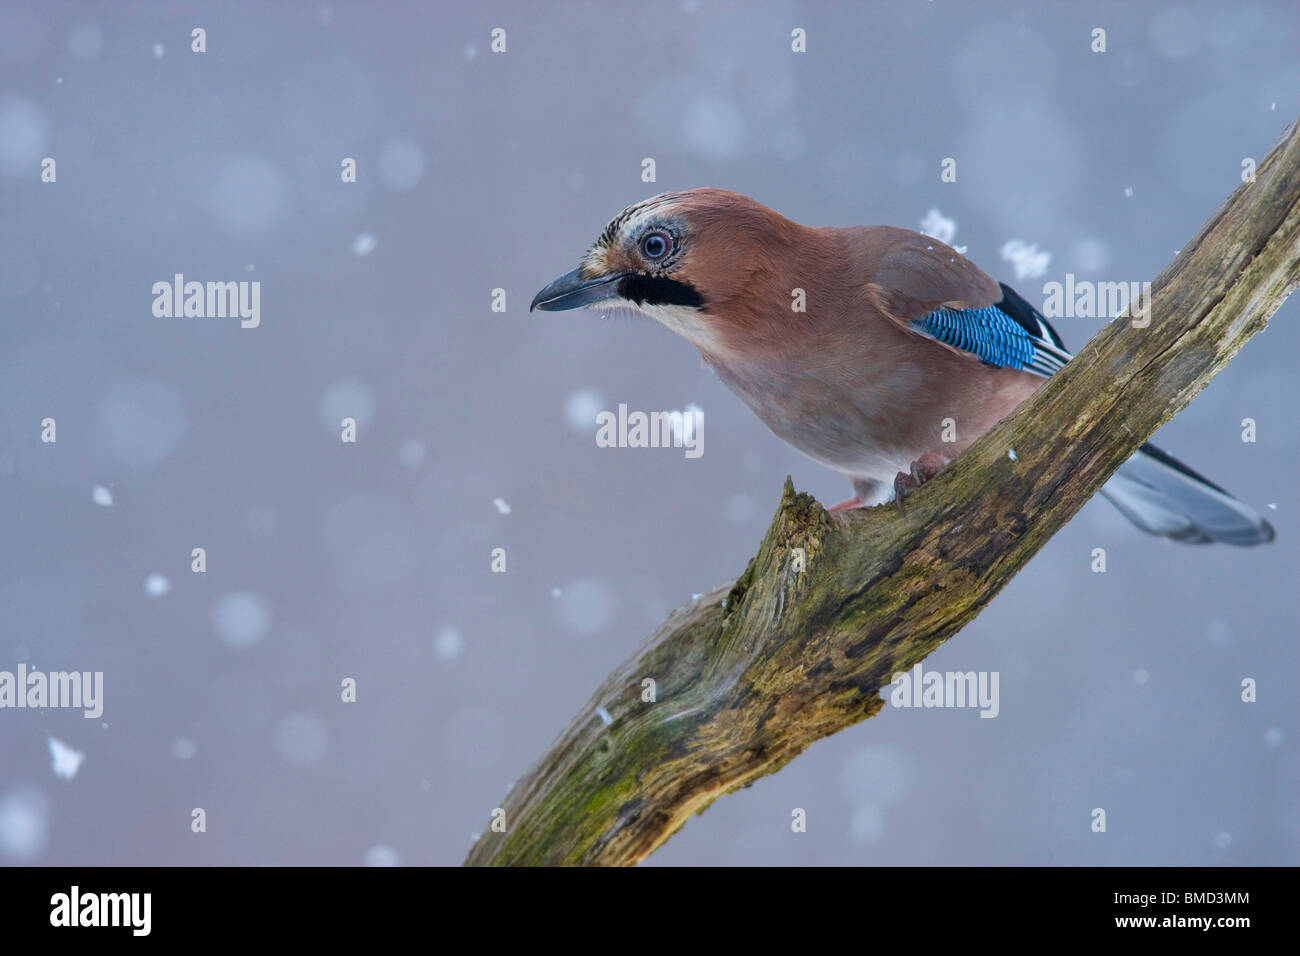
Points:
(901, 332)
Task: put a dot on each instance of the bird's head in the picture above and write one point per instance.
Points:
(689, 260)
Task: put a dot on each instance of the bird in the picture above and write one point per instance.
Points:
(903, 342)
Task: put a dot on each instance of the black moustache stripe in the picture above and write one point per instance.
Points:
(658, 290)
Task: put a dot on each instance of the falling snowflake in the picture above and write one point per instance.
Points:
(66, 760)
(1027, 260)
(938, 226)
(381, 855)
(184, 749)
(156, 585)
(241, 619)
(581, 409)
(447, 645)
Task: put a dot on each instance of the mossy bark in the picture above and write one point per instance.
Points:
(747, 676)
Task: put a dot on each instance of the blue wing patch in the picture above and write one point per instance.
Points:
(996, 338)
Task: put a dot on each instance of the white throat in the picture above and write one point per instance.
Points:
(686, 321)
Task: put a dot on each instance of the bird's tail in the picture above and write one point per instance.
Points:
(1162, 496)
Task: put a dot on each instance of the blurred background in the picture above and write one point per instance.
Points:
(371, 560)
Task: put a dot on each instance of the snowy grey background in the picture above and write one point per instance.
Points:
(371, 561)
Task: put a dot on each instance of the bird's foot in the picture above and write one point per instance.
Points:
(923, 469)
(855, 502)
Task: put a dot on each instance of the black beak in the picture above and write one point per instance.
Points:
(571, 291)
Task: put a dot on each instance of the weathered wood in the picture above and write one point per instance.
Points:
(748, 676)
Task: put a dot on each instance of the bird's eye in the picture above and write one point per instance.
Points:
(656, 245)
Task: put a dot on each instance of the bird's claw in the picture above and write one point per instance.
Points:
(922, 470)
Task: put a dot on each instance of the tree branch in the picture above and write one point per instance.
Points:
(748, 676)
